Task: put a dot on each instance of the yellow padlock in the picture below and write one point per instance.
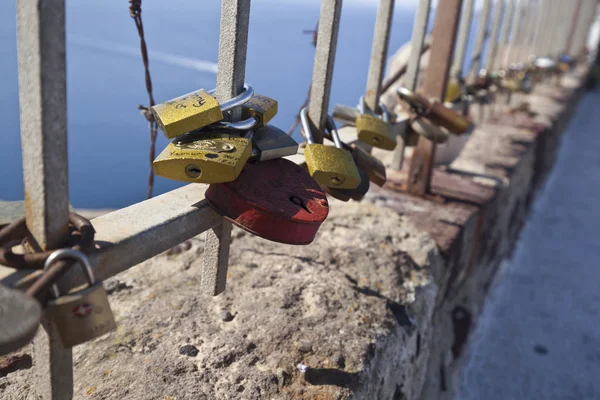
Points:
(263, 108)
(454, 91)
(211, 156)
(330, 166)
(375, 131)
(194, 111)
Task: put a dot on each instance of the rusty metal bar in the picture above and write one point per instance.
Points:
(320, 90)
(490, 56)
(506, 28)
(233, 44)
(131, 235)
(434, 86)
(414, 63)
(481, 36)
(463, 38)
(379, 52)
(43, 99)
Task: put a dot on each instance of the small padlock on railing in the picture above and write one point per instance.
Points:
(212, 154)
(275, 199)
(330, 166)
(436, 112)
(375, 130)
(195, 110)
(84, 312)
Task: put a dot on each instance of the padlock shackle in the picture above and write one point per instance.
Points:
(238, 100)
(306, 126)
(334, 132)
(385, 113)
(418, 103)
(81, 259)
(245, 125)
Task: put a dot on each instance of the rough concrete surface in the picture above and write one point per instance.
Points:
(380, 306)
(538, 336)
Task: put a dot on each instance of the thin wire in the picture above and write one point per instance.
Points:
(135, 11)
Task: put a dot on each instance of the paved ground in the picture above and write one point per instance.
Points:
(539, 335)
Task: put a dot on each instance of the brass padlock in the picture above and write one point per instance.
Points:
(373, 130)
(329, 166)
(436, 112)
(209, 155)
(84, 312)
(263, 108)
(454, 91)
(194, 111)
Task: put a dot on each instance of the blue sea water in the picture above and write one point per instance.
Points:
(109, 139)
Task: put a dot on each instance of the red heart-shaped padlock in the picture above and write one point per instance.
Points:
(276, 200)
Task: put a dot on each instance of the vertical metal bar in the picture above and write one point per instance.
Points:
(463, 38)
(540, 28)
(481, 36)
(573, 27)
(584, 27)
(558, 24)
(548, 37)
(414, 63)
(514, 33)
(379, 52)
(561, 30)
(43, 99)
(320, 90)
(490, 56)
(436, 79)
(233, 43)
(509, 21)
(530, 48)
(524, 32)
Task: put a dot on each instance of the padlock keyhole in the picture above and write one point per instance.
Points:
(193, 171)
(298, 201)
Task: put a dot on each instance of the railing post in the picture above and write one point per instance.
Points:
(462, 39)
(481, 36)
(509, 21)
(43, 99)
(540, 28)
(516, 29)
(414, 64)
(233, 41)
(435, 82)
(492, 49)
(320, 90)
(379, 52)
(527, 25)
(587, 17)
(573, 28)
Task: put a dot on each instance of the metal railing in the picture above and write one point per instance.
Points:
(133, 234)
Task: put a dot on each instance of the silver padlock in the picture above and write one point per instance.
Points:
(270, 142)
(83, 313)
